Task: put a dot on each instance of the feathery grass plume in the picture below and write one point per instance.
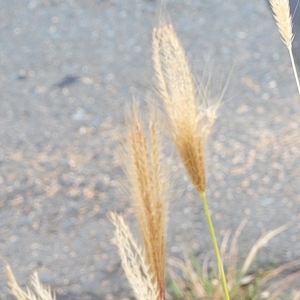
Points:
(148, 184)
(283, 18)
(190, 126)
(36, 291)
(134, 262)
(14, 287)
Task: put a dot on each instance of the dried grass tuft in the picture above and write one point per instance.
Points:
(189, 124)
(194, 282)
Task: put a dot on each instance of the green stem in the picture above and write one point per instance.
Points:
(215, 243)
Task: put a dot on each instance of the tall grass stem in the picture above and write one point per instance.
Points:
(294, 68)
(215, 244)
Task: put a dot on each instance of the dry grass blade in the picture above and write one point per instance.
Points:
(282, 15)
(279, 286)
(272, 273)
(259, 244)
(133, 260)
(148, 188)
(205, 265)
(189, 125)
(232, 272)
(224, 243)
(36, 291)
(190, 275)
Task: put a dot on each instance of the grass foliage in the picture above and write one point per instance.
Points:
(191, 280)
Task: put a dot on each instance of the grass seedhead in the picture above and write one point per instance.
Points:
(189, 124)
(283, 18)
(134, 261)
(148, 185)
(35, 290)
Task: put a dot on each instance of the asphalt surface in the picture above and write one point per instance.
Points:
(68, 69)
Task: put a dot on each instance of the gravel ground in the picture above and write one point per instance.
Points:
(68, 68)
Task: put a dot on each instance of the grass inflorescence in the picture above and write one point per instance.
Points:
(282, 15)
(189, 122)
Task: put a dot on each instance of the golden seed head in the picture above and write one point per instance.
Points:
(148, 188)
(189, 124)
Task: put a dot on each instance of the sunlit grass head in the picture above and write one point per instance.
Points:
(282, 15)
(148, 183)
(35, 290)
(190, 118)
